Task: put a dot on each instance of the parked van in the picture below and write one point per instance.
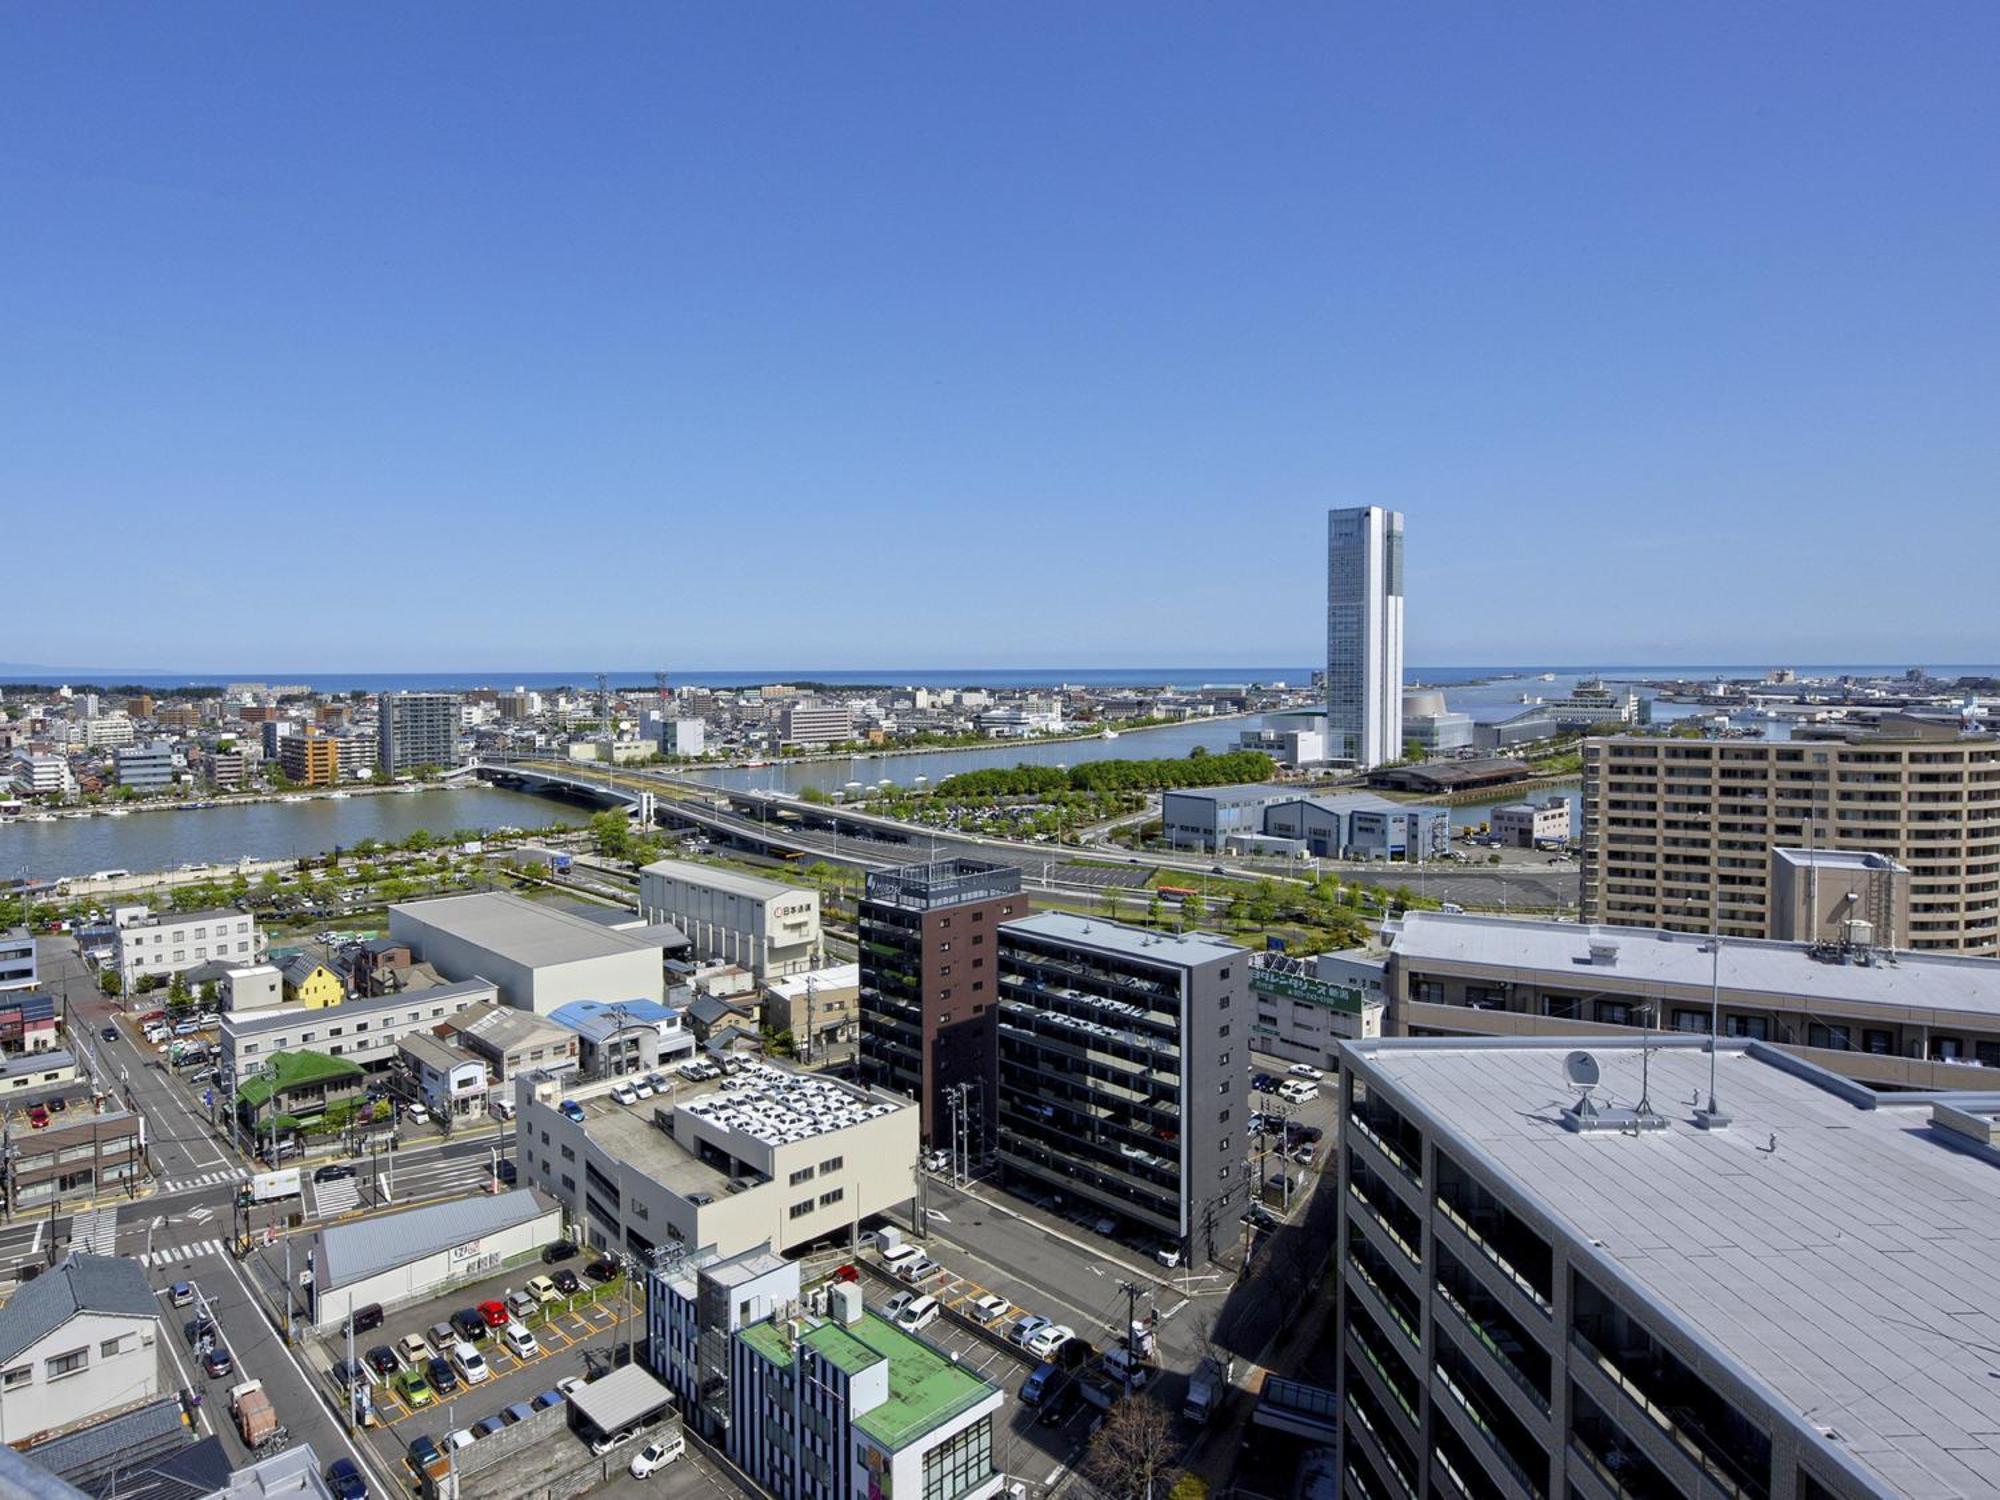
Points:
(919, 1314)
(900, 1256)
(367, 1319)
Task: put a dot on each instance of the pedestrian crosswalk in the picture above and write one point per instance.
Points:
(336, 1197)
(95, 1231)
(175, 1254)
(204, 1179)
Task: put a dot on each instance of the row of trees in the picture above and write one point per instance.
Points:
(1199, 769)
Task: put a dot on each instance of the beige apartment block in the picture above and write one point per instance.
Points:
(1679, 833)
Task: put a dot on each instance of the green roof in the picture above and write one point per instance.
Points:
(925, 1388)
(289, 1070)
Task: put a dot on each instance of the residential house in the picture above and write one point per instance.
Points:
(77, 1343)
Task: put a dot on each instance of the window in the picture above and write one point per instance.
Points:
(799, 1210)
(17, 1377)
(1224, 974)
(804, 1174)
(109, 1347)
(1222, 1117)
(827, 1200)
(1222, 1030)
(944, 972)
(1754, 1027)
(1225, 1143)
(833, 1164)
(68, 1364)
(1225, 1003)
(1223, 1087)
(978, 985)
(960, 1464)
(979, 963)
(1224, 1059)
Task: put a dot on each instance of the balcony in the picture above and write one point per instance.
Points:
(1478, 1424)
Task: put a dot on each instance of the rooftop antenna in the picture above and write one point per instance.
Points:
(1645, 1105)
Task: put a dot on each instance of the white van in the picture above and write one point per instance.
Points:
(919, 1314)
(901, 1255)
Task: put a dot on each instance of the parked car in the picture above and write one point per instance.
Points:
(443, 1378)
(990, 1308)
(602, 1269)
(493, 1313)
(181, 1294)
(470, 1363)
(605, 1444)
(217, 1362)
(366, 1319)
(1026, 1329)
(414, 1389)
(541, 1289)
(423, 1451)
(1037, 1384)
(344, 1480)
(919, 1315)
(519, 1411)
(623, 1094)
(547, 1399)
(658, 1455)
(1263, 1083)
(566, 1282)
(441, 1336)
(520, 1343)
(413, 1351)
(559, 1251)
(571, 1111)
(487, 1426)
(919, 1270)
(1305, 1070)
(38, 1117)
(520, 1304)
(382, 1360)
(1045, 1341)
(471, 1328)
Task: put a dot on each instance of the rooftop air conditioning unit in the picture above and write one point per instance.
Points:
(1603, 952)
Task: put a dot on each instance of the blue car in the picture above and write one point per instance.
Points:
(1037, 1384)
(345, 1480)
(547, 1399)
(571, 1110)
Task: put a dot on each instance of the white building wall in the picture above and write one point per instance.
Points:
(107, 1382)
(429, 1274)
(171, 944)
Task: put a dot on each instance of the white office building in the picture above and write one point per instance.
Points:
(173, 941)
(77, 1343)
(765, 926)
(365, 1032)
(1364, 635)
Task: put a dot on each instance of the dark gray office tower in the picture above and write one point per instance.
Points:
(1125, 1073)
(417, 729)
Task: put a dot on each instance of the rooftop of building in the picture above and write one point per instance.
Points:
(1246, 791)
(14, 1064)
(79, 1283)
(833, 977)
(1834, 859)
(597, 1019)
(935, 883)
(763, 1104)
(506, 1028)
(926, 1387)
(438, 1053)
(349, 1253)
(753, 886)
(284, 1071)
(1592, 957)
(1830, 1246)
(255, 1022)
(183, 918)
(525, 932)
(1448, 773)
(1167, 948)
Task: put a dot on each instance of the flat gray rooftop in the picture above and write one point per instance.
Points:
(526, 932)
(1850, 1270)
(714, 878)
(1129, 942)
(1558, 954)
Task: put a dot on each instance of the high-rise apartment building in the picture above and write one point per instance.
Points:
(1540, 1300)
(1125, 1073)
(417, 729)
(930, 989)
(1364, 635)
(145, 768)
(814, 723)
(1679, 833)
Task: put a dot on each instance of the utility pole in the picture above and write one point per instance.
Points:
(1131, 1291)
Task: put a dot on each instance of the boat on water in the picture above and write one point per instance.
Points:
(294, 799)
(338, 796)
(117, 812)
(1546, 677)
(43, 818)
(1109, 734)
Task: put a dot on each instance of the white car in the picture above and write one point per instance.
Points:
(991, 1308)
(1305, 1070)
(897, 1303)
(644, 1090)
(569, 1385)
(1026, 1329)
(624, 1094)
(520, 1343)
(657, 1455)
(458, 1437)
(1044, 1342)
(471, 1364)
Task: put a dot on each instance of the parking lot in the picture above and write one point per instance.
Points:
(578, 1336)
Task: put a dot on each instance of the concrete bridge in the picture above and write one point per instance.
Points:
(541, 776)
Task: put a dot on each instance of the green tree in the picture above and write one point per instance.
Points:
(1193, 910)
(1238, 911)
(611, 831)
(111, 982)
(1155, 913)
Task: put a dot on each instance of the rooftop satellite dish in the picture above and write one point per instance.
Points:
(1581, 1069)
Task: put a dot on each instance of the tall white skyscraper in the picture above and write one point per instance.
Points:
(1364, 635)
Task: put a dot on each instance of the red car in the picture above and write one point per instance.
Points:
(847, 1273)
(38, 1117)
(152, 1015)
(495, 1314)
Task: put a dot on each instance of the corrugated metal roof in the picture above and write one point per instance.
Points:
(523, 931)
(157, 1427)
(621, 1398)
(347, 1253)
(712, 878)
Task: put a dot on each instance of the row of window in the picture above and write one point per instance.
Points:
(806, 1205)
(72, 1362)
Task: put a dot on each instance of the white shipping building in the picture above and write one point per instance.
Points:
(770, 928)
(540, 957)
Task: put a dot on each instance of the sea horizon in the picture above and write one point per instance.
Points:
(12, 675)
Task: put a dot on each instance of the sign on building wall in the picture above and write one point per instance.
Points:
(468, 1251)
(1313, 991)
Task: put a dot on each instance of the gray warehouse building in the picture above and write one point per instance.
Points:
(538, 957)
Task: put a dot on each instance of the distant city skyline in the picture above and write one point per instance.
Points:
(977, 337)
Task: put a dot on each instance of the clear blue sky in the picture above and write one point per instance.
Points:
(351, 336)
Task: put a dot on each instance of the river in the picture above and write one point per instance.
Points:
(163, 840)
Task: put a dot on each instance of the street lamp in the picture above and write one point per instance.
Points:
(1712, 1116)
